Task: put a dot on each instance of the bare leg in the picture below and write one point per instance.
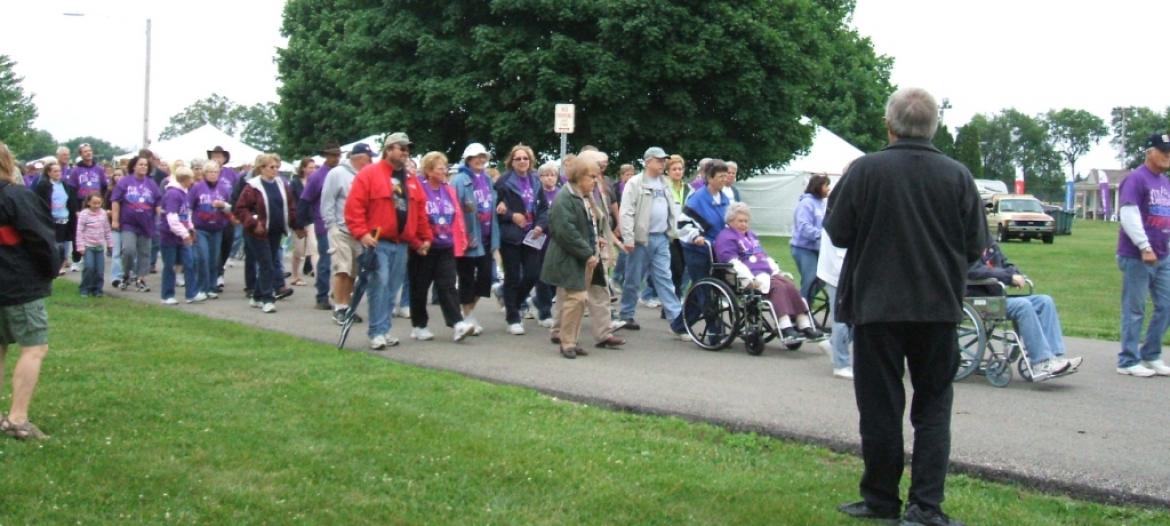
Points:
(24, 381)
(342, 289)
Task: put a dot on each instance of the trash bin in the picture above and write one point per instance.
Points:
(1064, 220)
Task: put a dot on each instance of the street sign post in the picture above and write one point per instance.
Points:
(564, 123)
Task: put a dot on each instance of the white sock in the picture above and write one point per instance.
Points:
(802, 322)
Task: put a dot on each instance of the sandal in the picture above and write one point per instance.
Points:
(298, 282)
(25, 431)
(610, 342)
(570, 352)
(580, 351)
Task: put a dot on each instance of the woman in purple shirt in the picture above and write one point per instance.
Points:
(739, 246)
(517, 190)
(211, 205)
(133, 203)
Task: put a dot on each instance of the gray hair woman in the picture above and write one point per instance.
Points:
(738, 245)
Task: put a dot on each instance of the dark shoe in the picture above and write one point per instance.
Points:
(610, 342)
(324, 306)
(570, 353)
(247, 292)
(916, 516)
(117, 284)
(555, 339)
(789, 333)
(631, 325)
(287, 274)
(284, 293)
(812, 334)
(580, 351)
(861, 510)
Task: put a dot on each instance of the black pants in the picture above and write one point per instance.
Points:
(521, 270)
(677, 267)
(437, 267)
(265, 252)
(882, 351)
(475, 277)
(225, 249)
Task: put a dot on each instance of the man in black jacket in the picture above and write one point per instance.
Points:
(28, 264)
(913, 223)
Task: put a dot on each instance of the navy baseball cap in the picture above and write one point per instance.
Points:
(1161, 141)
(361, 148)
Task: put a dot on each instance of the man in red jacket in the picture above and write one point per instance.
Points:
(378, 203)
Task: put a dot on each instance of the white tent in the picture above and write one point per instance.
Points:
(773, 193)
(373, 141)
(195, 143)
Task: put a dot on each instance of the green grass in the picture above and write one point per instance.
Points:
(163, 417)
(1078, 271)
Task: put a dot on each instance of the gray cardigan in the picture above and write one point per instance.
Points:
(333, 195)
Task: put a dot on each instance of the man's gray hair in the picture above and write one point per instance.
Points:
(731, 164)
(62, 150)
(912, 113)
(735, 209)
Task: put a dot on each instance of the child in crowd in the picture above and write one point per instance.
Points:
(94, 241)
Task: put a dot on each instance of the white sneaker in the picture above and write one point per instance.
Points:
(219, 281)
(213, 295)
(516, 329)
(652, 303)
(462, 329)
(1074, 363)
(617, 324)
(378, 342)
(402, 312)
(476, 328)
(198, 298)
(73, 267)
(1136, 369)
(255, 304)
(170, 301)
(547, 323)
(498, 293)
(1048, 368)
(827, 347)
(181, 281)
(269, 308)
(845, 373)
(683, 336)
(422, 334)
(1159, 367)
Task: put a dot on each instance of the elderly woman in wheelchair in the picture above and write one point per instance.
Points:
(745, 295)
(1033, 336)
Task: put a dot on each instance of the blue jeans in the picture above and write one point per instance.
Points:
(842, 334)
(385, 285)
(1137, 281)
(806, 264)
(176, 255)
(263, 252)
(116, 258)
(619, 268)
(206, 259)
(1038, 325)
(697, 261)
(323, 273)
(94, 270)
(651, 259)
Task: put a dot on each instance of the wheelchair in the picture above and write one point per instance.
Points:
(988, 342)
(717, 310)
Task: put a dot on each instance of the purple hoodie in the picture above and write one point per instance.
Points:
(312, 194)
(229, 175)
(176, 208)
(88, 180)
(207, 217)
(137, 199)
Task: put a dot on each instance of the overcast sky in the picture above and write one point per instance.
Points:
(1034, 55)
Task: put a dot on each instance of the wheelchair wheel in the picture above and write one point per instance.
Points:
(754, 343)
(820, 308)
(794, 345)
(712, 314)
(998, 372)
(972, 342)
(1022, 368)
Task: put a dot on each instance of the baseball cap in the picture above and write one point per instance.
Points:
(361, 148)
(654, 152)
(1161, 141)
(396, 138)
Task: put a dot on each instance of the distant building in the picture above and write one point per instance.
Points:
(1096, 195)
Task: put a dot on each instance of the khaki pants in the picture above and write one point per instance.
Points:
(571, 305)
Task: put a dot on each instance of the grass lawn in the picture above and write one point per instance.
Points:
(163, 417)
(1078, 271)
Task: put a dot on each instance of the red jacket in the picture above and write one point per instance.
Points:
(252, 208)
(372, 204)
(458, 230)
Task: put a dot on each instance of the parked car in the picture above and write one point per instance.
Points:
(1019, 216)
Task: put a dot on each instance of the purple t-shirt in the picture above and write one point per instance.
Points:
(441, 211)
(1151, 193)
(485, 208)
(207, 217)
(529, 197)
(137, 197)
(229, 175)
(312, 193)
(174, 201)
(88, 180)
(731, 244)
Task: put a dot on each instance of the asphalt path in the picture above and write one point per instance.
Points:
(1094, 434)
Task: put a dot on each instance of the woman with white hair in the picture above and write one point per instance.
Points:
(738, 245)
(477, 202)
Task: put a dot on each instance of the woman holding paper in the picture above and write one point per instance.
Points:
(520, 237)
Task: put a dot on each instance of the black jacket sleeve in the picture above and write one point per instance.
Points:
(31, 220)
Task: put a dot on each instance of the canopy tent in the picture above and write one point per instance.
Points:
(374, 142)
(773, 193)
(195, 143)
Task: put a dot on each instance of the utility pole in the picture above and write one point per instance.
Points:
(146, 93)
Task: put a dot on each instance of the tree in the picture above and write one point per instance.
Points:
(17, 110)
(944, 141)
(1131, 126)
(38, 143)
(1073, 133)
(255, 125)
(967, 150)
(669, 76)
(1010, 139)
(103, 150)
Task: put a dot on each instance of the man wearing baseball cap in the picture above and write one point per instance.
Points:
(647, 225)
(1142, 246)
(345, 249)
(310, 200)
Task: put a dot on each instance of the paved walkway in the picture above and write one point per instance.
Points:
(1093, 434)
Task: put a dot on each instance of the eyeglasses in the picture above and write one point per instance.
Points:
(519, 158)
(403, 147)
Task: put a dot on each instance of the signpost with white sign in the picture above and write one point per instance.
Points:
(564, 123)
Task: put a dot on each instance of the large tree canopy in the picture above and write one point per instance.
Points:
(255, 125)
(17, 112)
(724, 78)
(1073, 133)
(1009, 139)
(1131, 126)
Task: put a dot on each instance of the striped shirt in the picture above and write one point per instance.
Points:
(93, 229)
